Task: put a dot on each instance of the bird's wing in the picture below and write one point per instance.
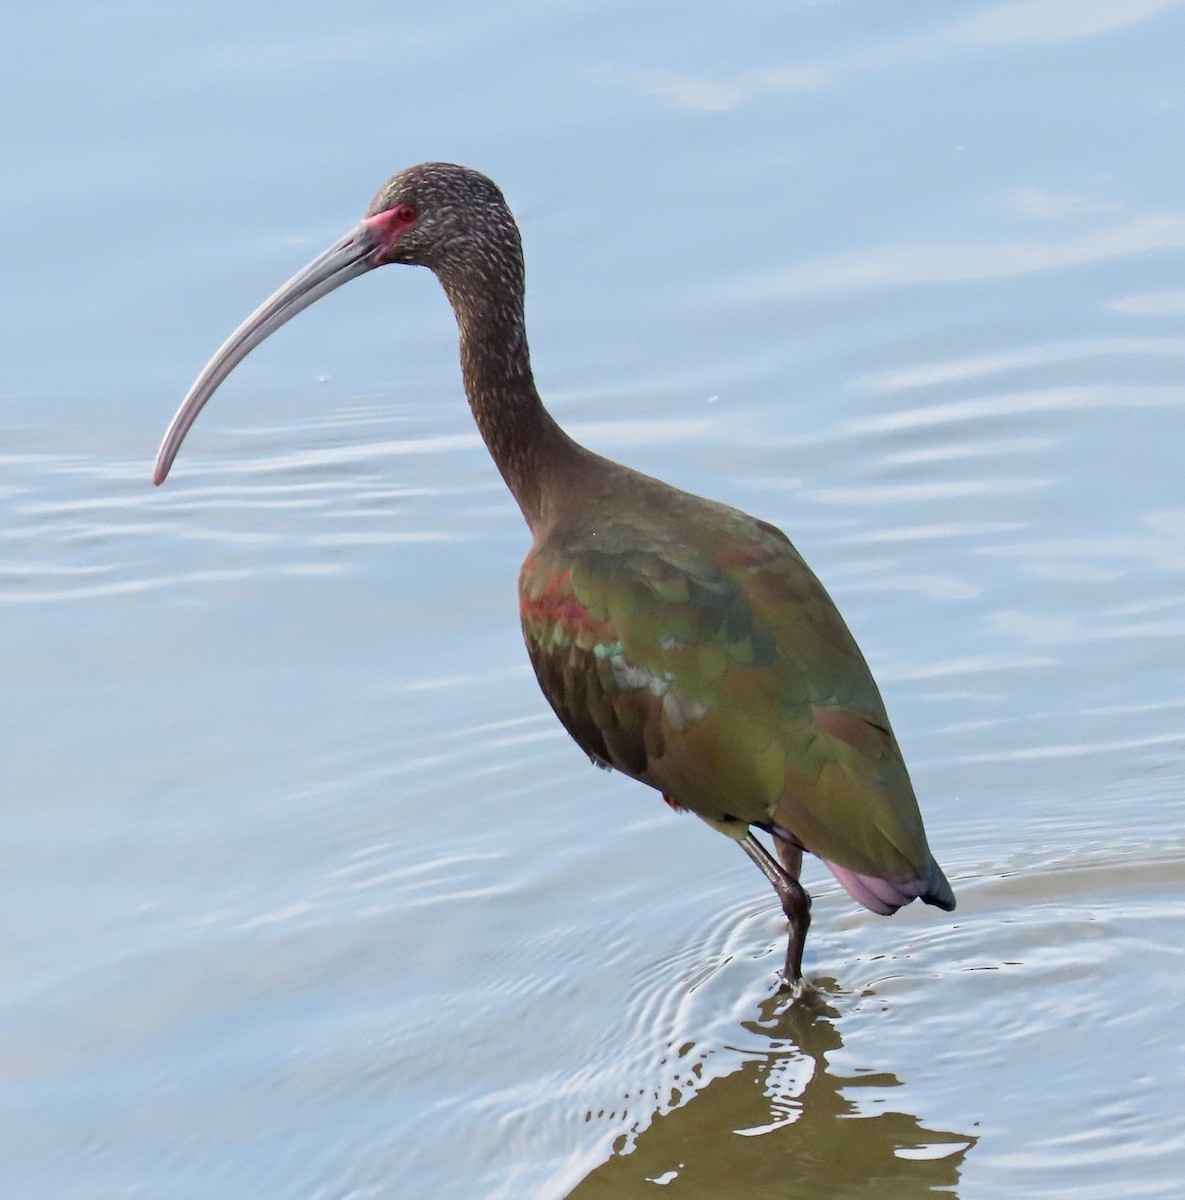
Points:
(725, 677)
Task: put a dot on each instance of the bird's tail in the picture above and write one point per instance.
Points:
(886, 896)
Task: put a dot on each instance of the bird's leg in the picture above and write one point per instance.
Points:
(796, 903)
(790, 856)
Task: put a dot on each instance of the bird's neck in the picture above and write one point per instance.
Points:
(531, 451)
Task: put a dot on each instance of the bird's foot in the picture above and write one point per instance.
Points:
(792, 986)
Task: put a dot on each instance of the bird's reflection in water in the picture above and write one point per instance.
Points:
(785, 1126)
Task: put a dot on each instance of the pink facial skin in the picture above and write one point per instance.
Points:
(387, 226)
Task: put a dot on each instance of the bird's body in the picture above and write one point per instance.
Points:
(678, 640)
(688, 645)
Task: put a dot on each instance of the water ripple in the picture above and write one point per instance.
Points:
(960, 369)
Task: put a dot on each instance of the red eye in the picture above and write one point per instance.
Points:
(391, 223)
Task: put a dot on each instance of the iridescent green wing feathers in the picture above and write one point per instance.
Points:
(725, 677)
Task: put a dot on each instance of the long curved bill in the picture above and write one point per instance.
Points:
(353, 255)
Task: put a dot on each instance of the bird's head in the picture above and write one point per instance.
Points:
(439, 215)
(450, 219)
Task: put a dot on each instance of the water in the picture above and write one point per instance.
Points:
(306, 893)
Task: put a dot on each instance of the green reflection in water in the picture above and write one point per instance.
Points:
(785, 1126)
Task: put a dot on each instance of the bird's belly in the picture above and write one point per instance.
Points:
(721, 766)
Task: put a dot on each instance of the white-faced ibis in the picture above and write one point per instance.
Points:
(679, 641)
